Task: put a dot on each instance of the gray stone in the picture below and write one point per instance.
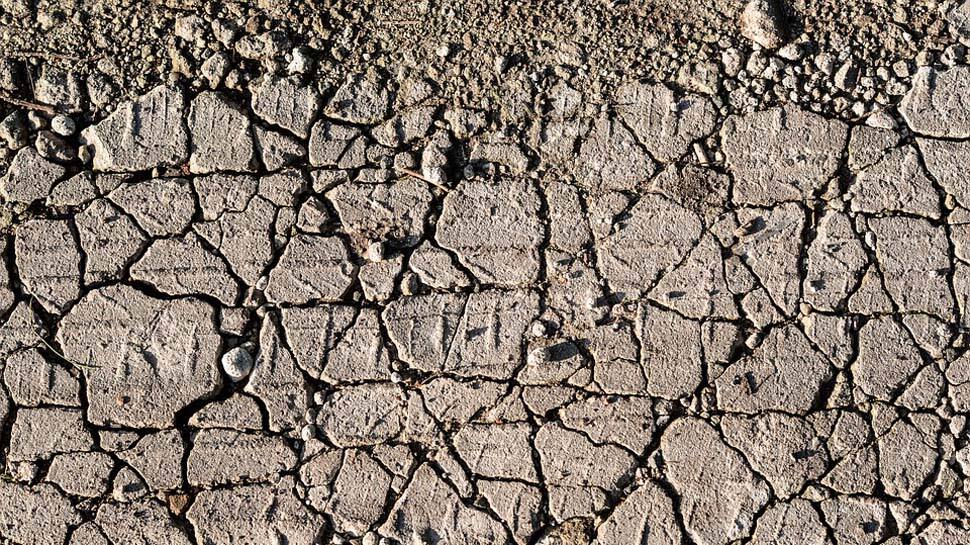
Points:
(435, 268)
(312, 268)
(784, 373)
(579, 475)
(856, 520)
(144, 522)
(184, 266)
(794, 522)
(38, 434)
(278, 150)
(665, 123)
(161, 206)
(32, 381)
(30, 177)
(611, 159)
(277, 380)
(340, 146)
(782, 154)
(368, 414)
(474, 335)
(497, 451)
(110, 240)
(221, 136)
(35, 515)
(390, 213)
(82, 474)
(143, 134)
(283, 103)
(937, 103)
(783, 449)
(494, 229)
(698, 288)
(646, 517)
(896, 183)
(49, 262)
(237, 363)
(430, 506)
(654, 238)
(624, 421)
(770, 243)
(238, 412)
(914, 259)
(151, 357)
(517, 504)
(228, 457)
(907, 459)
(360, 493)
(157, 457)
(887, 358)
(243, 237)
(61, 88)
(670, 353)
(719, 495)
(836, 260)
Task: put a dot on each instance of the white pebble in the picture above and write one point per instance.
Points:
(237, 363)
(63, 125)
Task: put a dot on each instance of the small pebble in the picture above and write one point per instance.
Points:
(63, 125)
(237, 363)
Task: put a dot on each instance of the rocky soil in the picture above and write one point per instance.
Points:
(507, 273)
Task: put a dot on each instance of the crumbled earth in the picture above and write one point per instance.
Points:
(316, 283)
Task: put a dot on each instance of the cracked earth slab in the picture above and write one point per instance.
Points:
(363, 314)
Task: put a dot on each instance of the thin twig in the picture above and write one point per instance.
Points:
(46, 108)
(59, 354)
(54, 56)
(419, 176)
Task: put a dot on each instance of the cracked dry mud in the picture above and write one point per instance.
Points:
(364, 315)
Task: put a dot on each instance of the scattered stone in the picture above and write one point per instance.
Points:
(363, 99)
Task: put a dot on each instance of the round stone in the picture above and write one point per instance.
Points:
(63, 125)
(237, 363)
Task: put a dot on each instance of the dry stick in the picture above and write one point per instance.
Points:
(418, 175)
(53, 56)
(58, 353)
(46, 108)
